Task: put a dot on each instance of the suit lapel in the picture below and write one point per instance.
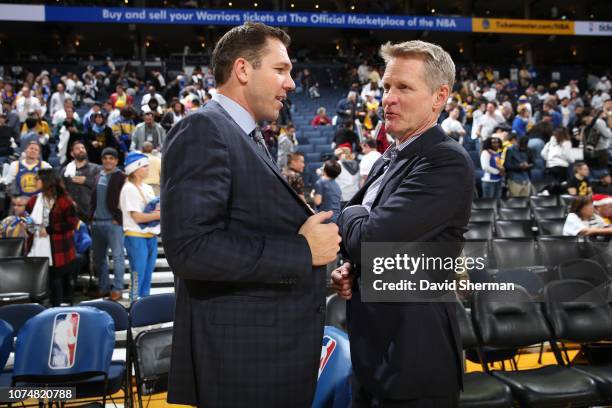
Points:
(377, 168)
(263, 157)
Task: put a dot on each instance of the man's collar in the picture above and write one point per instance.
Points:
(237, 112)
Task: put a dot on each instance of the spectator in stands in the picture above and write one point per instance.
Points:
(60, 115)
(106, 225)
(148, 131)
(599, 159)
(123, 128)
(327, 194)
(42, 131)
(491, 164)
(28, 132)
(154, 177)
(538, 135)
(6, 139)
(518, 163)
(173, 115)
(346, 137)
(452, 127)
(154, 108)
(80, 178)
(140, 234)
(25, 103)
(88, 117)
(603, 207)
(521, 122)
(347, 108)
(12, 118)
(22, 173)
(120, 99)
(152, 94)
(599, 98)
(54, 213)
(558, 155)
(579, 183)
(370, 155)
(69, 131)
(16, 224)
(287, 143)
(582, 220)
(56, 103)
(488, 122)
(158, 79)
(293, 172)
(270, 134)
(321, 119)
(603, 185)
(99, 138)
(348, 179)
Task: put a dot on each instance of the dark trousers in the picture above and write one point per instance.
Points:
(60, 283)
(362, 398)
(559, 173)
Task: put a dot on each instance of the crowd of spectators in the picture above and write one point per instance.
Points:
(102, 133)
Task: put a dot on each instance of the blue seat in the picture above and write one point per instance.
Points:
(328, 133)
(318, 140)
(311, 135)
(148, 311)
(302, 140)
(81, 343)
(333, 388)
(323, 148)
(6, 342)
(312, 157)
(306, 148)
(118, 375)
(310, 175)
(17, 315)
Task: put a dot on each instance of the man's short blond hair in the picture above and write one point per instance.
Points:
(439, 68)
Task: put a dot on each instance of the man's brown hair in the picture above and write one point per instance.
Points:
(246, 41)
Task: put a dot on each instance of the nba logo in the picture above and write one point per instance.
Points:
(329, 345)
(64, 340)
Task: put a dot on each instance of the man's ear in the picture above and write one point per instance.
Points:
(242, 70)
(441, 96)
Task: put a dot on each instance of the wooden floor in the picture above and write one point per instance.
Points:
(527, 359)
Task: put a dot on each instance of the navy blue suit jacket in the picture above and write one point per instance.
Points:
(409, 350)
(250, 307)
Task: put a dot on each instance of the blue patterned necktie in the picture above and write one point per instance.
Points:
(257, 137)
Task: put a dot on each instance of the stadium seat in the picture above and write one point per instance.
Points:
(548, 212)
(514, 202)
(544, 201)
(578, 313)
(479, 389)
(512, 253)
(523, 277)
(152, 350)
(24, 275)
(6, 342)
(479, 231)
(513, 229)
(487, 214)
(306, 148)
(551, 226)
(312, 135)
(80, 344)
(515, 214)
(554, 251)
(333, 385)
(589, 271)
(477, 249)
(17, 315)
(566, 199)
(118, 375)
(318, 140)
(11, 247)
(336, 312)
(149, 311)
(312, 157)
(323, 148)
(508, 318)
(484, 203)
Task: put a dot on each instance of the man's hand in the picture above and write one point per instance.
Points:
(342, 281)
(323, 239)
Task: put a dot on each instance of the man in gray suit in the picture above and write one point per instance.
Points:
(247, 252)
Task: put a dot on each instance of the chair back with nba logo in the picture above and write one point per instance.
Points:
(6, 342)
(333, 386)
(65, 345)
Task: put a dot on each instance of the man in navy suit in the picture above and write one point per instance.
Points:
(247, 252)
(407, 354)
